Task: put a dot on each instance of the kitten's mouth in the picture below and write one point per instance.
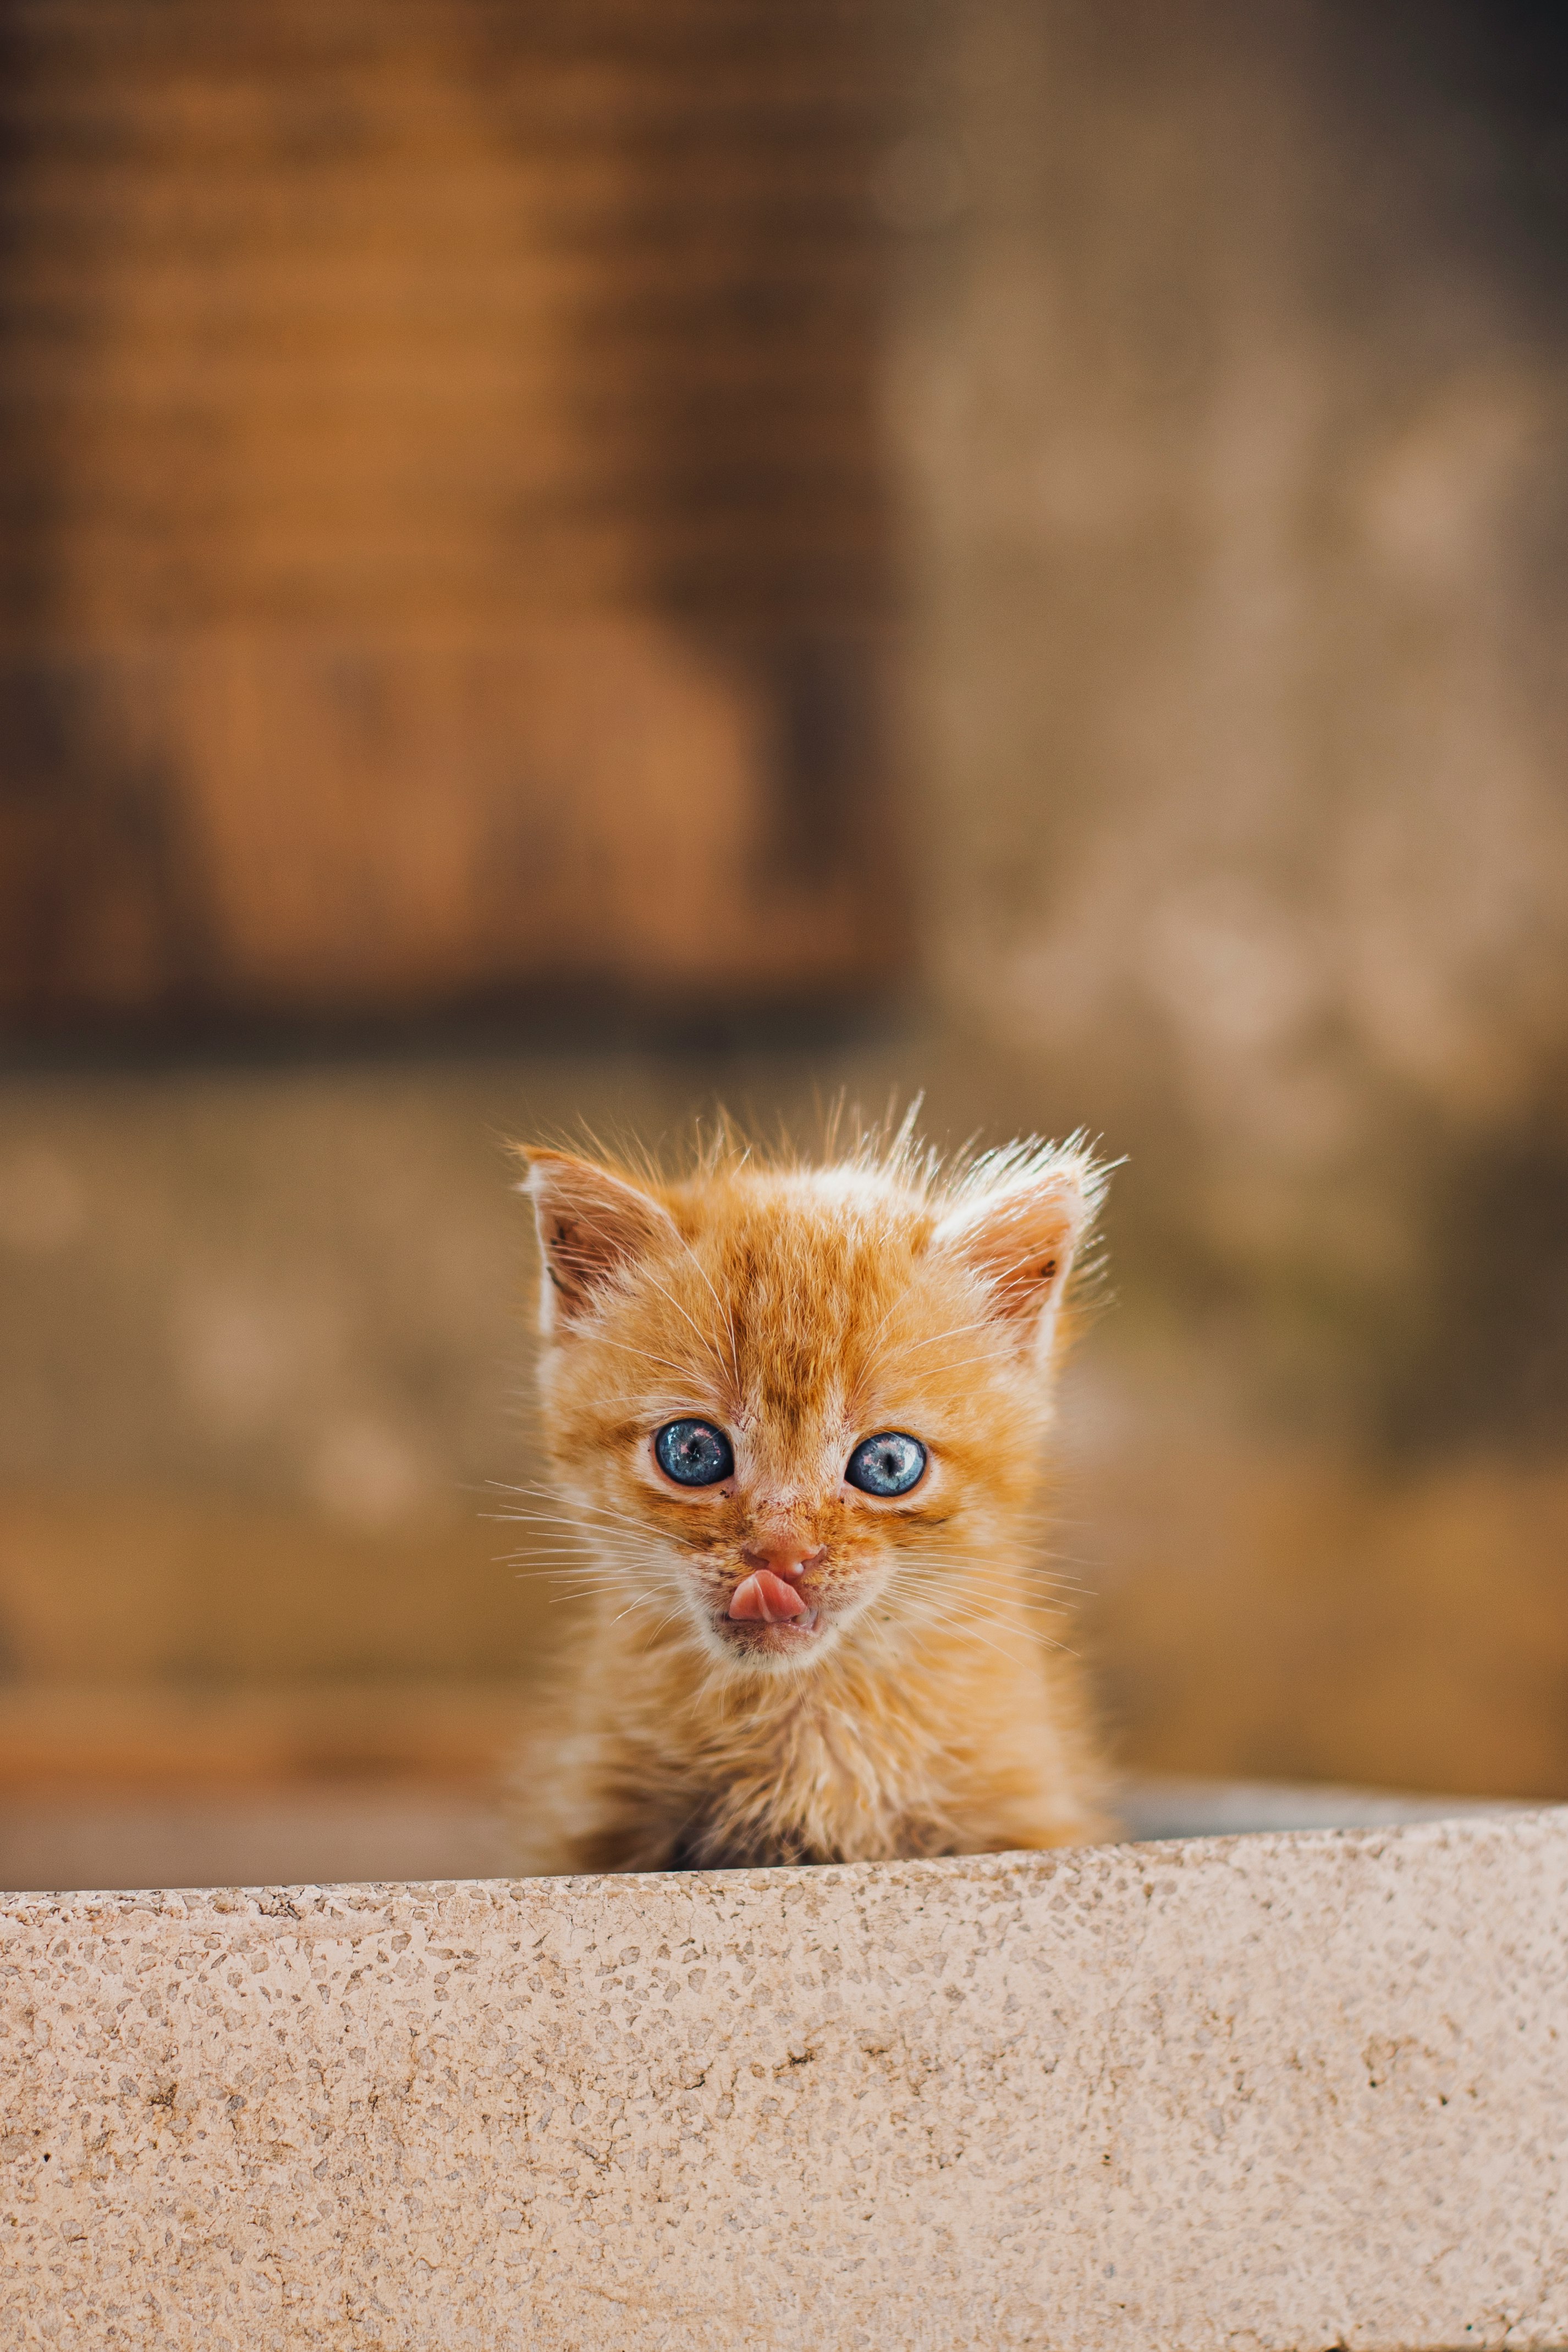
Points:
(764, 1599)
(766, 1614)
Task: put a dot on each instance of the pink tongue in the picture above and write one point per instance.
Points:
(768, 1597)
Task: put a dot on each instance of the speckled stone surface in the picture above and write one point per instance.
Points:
(1284, 2091)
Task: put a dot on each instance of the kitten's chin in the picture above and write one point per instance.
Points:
(799, 1641)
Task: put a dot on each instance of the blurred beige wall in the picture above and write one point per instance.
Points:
(1238, 487)
(1226, 388)
(1231, 394)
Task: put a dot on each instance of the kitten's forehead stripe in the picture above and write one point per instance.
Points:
(809, 1283)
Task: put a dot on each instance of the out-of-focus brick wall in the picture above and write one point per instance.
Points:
(447, 553)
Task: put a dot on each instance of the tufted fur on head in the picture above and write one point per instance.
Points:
(783, 1662)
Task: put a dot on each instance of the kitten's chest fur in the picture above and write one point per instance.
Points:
(866, 1757)
(835, 1768)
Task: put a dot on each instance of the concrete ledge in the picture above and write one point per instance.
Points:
(1281, 2091)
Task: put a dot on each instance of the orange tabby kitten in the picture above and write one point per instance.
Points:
(795, 1416)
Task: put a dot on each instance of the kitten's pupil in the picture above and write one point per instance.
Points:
(888, 1464)
(693, 1452)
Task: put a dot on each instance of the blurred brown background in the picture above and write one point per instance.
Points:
(575, 565)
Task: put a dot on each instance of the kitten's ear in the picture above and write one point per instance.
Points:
(1022, 1237)
(592, 1226)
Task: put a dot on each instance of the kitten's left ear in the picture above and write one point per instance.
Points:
(593, 1227)
(1021, 1239)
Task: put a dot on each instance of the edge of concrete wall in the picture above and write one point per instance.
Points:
(1283, 2091)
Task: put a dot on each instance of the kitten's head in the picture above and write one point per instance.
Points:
(783, 1398)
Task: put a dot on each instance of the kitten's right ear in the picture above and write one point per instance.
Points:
(1021, 1236)
(592, 1226)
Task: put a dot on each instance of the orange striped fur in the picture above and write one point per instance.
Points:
(915, 1705)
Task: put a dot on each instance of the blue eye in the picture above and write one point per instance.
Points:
(888, 1465)
(693, 1452)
